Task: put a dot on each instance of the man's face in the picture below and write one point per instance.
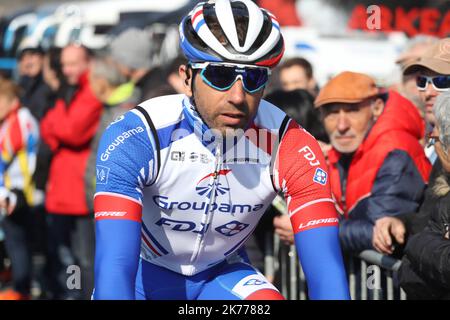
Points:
(293, 78)
(347, 124)
(31, 64)
(223, 110)
(74, 62)
(429, 95)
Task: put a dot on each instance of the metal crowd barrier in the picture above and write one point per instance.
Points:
(282, 266)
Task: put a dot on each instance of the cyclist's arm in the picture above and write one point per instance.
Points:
(124, 167)
(301, 173)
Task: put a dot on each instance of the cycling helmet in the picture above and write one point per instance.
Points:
(231, 31)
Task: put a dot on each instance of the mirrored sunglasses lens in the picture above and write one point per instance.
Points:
(421, 82)
(441, 82)
(255, 79)
(219, 76)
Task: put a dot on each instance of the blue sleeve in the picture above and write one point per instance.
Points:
(398, 189)
(116, 259)
(321, 259)
(125, 165)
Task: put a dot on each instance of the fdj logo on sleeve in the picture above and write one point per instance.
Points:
(309, 155)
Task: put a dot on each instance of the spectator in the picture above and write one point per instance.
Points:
(377, 166)
(54, 79)
(174, 82)
(117, 96)
(433, 66)
(35, 92)
(434, 61)
(415, 49)
(132, 52)
(18, 144)
(68, 129)
(56, 86)
(297, 73)
(299, 105)
(425, 270)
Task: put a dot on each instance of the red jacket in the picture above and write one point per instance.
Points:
(68, 130)
(398, 128)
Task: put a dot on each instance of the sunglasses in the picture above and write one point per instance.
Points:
(440, 83)
(222, 76)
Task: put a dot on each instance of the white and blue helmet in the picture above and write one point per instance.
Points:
(231, 31)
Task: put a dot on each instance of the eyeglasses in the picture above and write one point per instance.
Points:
(222, 76)
(440, 83)
(432, 139)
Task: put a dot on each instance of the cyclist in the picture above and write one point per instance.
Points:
(182, 180)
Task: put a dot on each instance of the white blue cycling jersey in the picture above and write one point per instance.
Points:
(169, 191)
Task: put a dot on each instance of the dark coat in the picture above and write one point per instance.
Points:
(425, 270)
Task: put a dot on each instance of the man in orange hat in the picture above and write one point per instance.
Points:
(377, 165)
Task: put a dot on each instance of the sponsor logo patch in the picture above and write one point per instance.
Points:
(231, 228)
(102, 174)
(320, 176)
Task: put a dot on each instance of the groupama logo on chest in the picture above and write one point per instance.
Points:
(208, 186)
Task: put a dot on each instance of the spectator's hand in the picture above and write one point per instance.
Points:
(384, 230)
(283, 229)
(325, 148)
(8, 201)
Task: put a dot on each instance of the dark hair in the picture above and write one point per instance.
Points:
(174, 64)
(30, 50)
(301, 62)
(299, 105)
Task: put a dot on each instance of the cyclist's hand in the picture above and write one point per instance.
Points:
(283, 229)
(384, 231)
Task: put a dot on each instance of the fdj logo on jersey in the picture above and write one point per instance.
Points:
(177, 225)
(204, 188)
(254, 282)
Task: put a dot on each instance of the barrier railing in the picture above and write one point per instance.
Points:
(366, 273)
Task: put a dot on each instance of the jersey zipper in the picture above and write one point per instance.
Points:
(208, 216)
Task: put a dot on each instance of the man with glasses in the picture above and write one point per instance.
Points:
(182, 180)
(432, 78)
